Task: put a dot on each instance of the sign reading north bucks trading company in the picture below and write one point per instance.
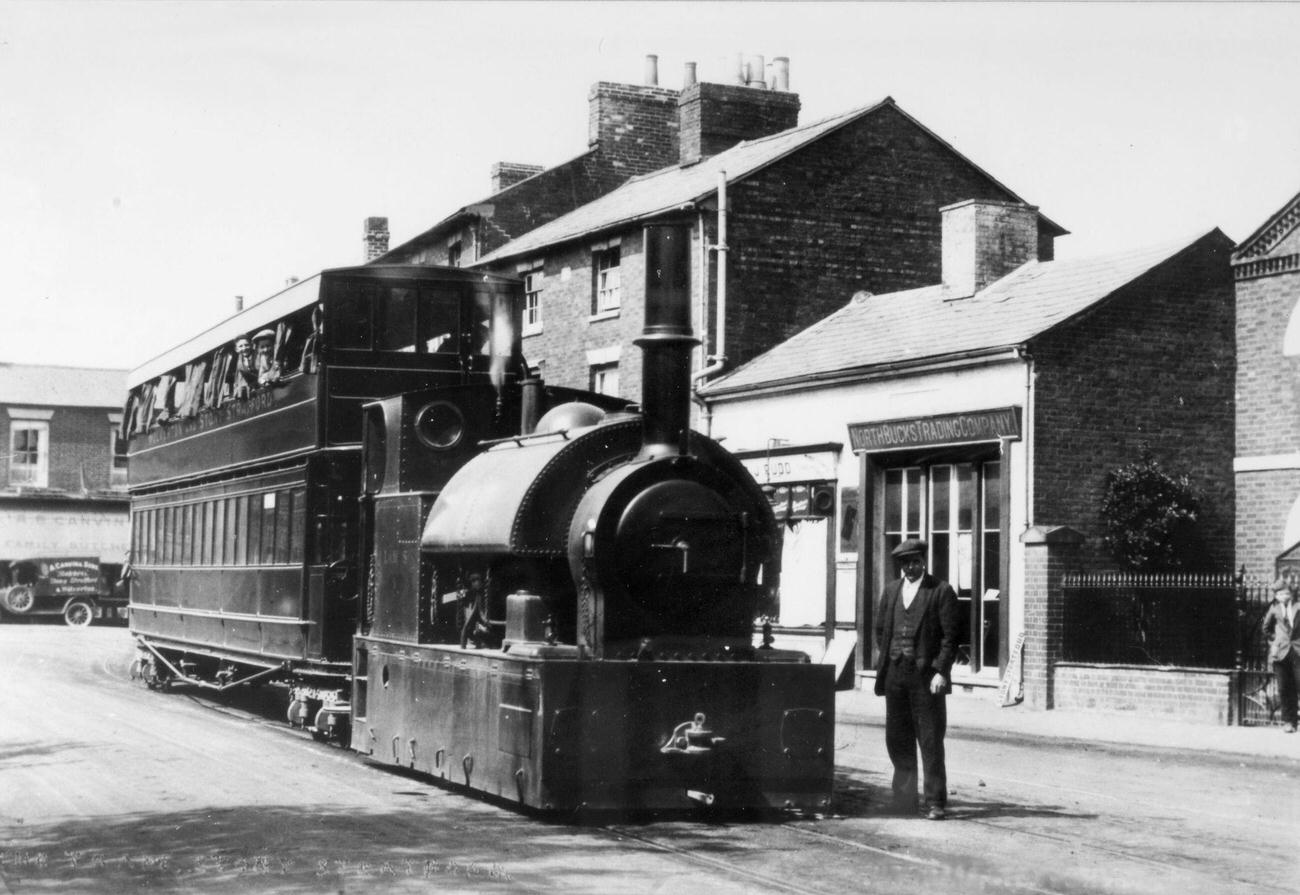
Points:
(949, 428)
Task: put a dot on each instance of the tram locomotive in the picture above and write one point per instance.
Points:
(556, 594)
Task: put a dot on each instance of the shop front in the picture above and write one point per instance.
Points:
(943, 478)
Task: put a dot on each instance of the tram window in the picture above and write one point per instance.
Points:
(187, 534)
(440, 320)
(283, 524)
(266, 504)
(351, 328)
(252, 529)
(395, 320)
(229, 541)
(297, 523)
(216, 557)
(208, 534)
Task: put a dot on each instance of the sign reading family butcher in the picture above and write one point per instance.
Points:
(949, 428)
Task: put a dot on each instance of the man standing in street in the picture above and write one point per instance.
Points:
(1280, 630)
(916, 630)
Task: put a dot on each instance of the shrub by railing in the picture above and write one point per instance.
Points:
(1176, 619)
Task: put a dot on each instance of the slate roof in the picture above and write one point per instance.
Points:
(917, 325)
(677, 187)
(40, 386)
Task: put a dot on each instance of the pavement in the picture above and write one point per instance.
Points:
(980, 710)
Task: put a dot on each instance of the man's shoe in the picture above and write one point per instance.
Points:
(936, 813)
(1290, 728)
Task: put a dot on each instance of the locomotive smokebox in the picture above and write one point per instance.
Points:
(667, 340)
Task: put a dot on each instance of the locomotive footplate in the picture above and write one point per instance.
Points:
(560, 734)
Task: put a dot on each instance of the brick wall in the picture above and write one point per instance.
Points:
(1050, 551)
(1268, 417)
(79, 438)
(568, 328)
(1163, 694)
(859, 209)
(1264, 501)
(1151, 365)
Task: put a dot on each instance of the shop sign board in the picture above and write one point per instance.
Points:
(778, 469)
(949, 428)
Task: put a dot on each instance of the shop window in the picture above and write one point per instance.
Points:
(29, 453)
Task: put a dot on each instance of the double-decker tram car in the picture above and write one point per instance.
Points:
(542, 595)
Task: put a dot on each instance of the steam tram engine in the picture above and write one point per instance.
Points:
(553, 596)
(580, 628)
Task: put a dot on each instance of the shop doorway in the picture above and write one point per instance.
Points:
(957, 507)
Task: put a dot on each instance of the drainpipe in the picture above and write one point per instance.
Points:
(714, 363)
(1028, 435)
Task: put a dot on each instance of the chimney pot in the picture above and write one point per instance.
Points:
(782, 66)
(651, 70)
(239, 303)
(757, 72)
(688, 80)
(741, 78)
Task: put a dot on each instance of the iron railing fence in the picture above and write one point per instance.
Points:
(1166, 619)
(1256, 689)
(1204, 620)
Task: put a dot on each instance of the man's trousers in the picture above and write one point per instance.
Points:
(915, 717)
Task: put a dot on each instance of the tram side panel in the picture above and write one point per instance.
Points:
(262, 566)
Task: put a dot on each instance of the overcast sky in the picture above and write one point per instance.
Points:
(158, 159)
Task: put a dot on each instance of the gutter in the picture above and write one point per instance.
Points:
(959, 360)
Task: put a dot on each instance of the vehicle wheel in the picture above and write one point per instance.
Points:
(19, 598)
(78, 614)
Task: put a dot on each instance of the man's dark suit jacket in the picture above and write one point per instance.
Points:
(936, 635)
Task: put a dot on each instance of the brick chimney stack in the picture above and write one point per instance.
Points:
(376, 238)
(984, 240)
(715, 117)
(634, 125)
(506, 174)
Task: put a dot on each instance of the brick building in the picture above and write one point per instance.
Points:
(976, 410)
(1266, 269)
(632, 130)
(811, 213)
(63, 482)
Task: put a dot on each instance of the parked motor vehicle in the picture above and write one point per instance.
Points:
(81, 589)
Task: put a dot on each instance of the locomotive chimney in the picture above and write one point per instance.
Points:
(667, 341)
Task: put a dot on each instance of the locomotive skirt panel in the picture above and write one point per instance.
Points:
(561, 734)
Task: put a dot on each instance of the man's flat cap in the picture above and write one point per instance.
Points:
(911, 546)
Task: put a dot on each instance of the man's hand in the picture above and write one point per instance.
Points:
(937, 684)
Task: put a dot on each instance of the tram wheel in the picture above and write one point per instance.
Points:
(78, 614)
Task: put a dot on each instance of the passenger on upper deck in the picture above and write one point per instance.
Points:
(245, 368)
(268, 368)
